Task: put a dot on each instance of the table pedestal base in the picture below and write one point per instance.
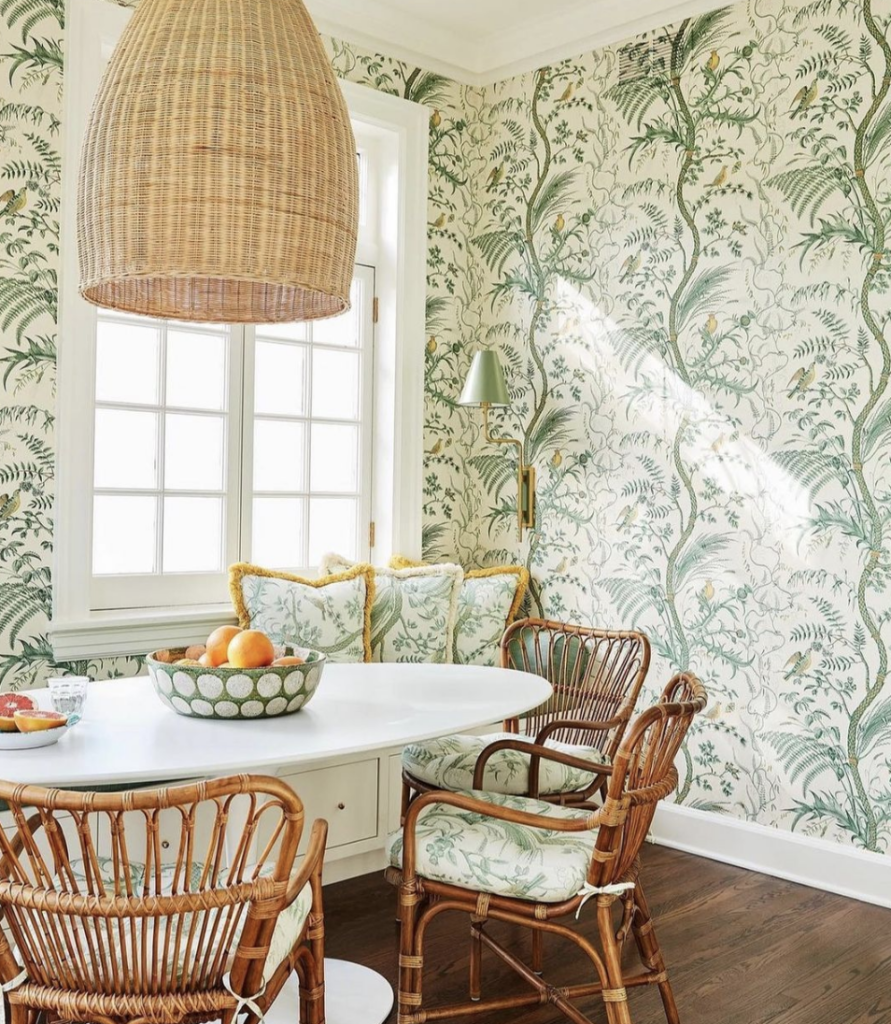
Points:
(353, 995)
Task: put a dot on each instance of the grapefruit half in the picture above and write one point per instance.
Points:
(9, 704)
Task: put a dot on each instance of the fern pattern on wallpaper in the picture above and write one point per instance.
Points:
(678, 248)
(684, 246)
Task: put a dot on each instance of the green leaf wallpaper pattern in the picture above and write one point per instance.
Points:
(678, 249)
(685, 253)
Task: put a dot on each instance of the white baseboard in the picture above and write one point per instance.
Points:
(822, 865)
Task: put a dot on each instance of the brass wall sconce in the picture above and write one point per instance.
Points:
(485, 387)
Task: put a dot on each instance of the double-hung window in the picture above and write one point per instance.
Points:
(186, 447)
(214, 444)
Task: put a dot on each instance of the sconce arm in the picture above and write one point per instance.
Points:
(499, 440)
(525, 477)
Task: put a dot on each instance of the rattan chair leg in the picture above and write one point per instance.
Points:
(476, 961)
(537, 951)
(651, 953)
(615, 997)
(411, 958)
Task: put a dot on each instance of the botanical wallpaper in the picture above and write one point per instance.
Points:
(677, 247)
(684, 251)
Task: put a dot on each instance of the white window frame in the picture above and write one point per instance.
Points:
(396, 130)
(150, 590)
(367, 382)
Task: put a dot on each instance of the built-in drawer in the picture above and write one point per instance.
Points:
(345, 795)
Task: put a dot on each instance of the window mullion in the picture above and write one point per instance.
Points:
(307, 442)
(162, 441)
(245, 492)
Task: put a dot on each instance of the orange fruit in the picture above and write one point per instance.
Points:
(36, 721)
(194, 652)
(218, 643)
(187, 661)
(205, 661)
(251, 649)
(224, 665)
(9, 704)
(290, 660)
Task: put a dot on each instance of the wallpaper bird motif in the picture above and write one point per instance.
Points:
(677, 246)
(685, 270)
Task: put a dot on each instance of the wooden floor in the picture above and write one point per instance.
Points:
(742, 948)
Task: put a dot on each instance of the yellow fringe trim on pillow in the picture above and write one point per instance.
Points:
(238, 572)
(399, 562)
(506, 570)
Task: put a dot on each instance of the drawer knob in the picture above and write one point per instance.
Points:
(341, 807)
(165, 845)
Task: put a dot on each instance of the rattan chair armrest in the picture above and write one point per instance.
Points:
(536, 751)
(312, 862)
(580, 725)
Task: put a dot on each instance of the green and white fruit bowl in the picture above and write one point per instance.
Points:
(236, 693)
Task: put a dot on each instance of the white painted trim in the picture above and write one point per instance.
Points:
(480, 59)
(89, 34)
(136, 631)
(832, 867)
(401, 285)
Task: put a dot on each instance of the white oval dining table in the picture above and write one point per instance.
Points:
(127, 736)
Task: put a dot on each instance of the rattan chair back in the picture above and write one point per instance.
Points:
(596, 675)
(138, 903)
(644, 773)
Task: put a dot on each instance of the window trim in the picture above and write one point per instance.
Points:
(398, 424)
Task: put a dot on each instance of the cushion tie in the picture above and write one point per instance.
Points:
(588, 890)
(243, 1002)
(8, 986)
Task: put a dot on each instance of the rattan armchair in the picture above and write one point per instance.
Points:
(163, 906)
(529, 863)
(561, 751)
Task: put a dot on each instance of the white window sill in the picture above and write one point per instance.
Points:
(135, 631)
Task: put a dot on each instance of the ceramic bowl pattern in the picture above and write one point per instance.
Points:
(236, 693)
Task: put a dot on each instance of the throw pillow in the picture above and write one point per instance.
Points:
(487, 605)
(332, 614)
(414, 611)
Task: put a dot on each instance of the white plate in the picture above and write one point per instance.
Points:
(31, 740)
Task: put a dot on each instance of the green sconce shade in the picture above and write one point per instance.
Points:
(485, 383)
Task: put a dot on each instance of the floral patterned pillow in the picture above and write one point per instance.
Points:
(414, 611)
(487, 605)
(332, 615)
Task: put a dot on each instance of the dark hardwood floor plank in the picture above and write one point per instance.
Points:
(742, 948)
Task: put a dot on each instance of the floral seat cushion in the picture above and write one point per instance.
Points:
(449, 762)
(287, 928)
(503, 858)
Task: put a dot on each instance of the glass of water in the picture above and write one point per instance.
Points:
(68, 694)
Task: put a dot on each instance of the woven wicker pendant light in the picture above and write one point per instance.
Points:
(218, 176)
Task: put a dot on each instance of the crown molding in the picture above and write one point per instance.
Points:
(480, 60)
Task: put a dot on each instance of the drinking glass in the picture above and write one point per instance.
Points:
(68, 694)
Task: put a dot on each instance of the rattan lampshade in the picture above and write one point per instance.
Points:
(218, 176)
